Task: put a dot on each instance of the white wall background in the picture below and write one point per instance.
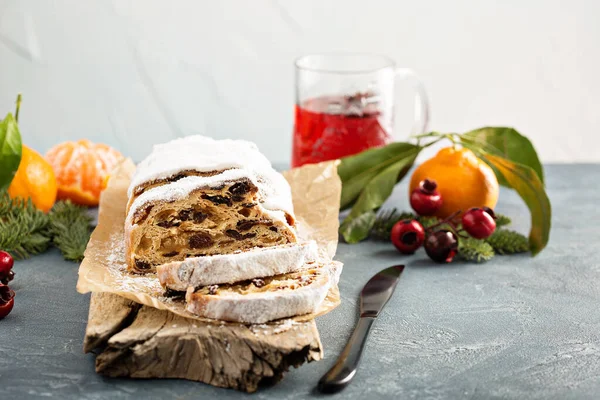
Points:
(132, 73)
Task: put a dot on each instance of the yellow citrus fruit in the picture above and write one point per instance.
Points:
(463, 180)
(82, 169)
(34, 180)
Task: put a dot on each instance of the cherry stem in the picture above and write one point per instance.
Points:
(447, 221)
(457, 232)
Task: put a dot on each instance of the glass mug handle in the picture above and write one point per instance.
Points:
(421, 117)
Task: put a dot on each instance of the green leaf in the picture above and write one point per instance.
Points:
(506, 143)
(373, 195)
(357, 228)
(531, 189)
(10, 150)
(358, 170)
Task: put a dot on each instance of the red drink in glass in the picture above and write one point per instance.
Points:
(331, 127)
(345, 105)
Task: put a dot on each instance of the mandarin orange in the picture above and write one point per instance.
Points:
(34, 180)
(463, 180)
(82, 169)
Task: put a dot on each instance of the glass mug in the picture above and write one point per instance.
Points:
(345, 104)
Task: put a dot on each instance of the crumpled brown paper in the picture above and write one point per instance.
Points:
(316, 193)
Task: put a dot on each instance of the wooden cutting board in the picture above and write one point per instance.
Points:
(132, 340)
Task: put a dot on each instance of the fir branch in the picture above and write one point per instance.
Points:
(428, 221)
(472, 249)
(502, 220)
(70, 229)
(505, 241)
(22, 227)
(385, 220)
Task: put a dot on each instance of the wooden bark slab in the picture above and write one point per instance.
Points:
(143, 342)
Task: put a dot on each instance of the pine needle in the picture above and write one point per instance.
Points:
(70, 229)
(428, 221)
(505, 241)
(475, 250)
(23, 230)
(502, 220)
(26, 231)
(385, 221)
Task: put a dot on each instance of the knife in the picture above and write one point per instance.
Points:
(373, 298)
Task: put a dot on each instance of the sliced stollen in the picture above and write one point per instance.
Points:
(197, 196)
(236, 267)
(262, 300)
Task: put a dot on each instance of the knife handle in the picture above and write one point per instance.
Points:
(340, 375)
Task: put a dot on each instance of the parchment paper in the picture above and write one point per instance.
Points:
(316, 193)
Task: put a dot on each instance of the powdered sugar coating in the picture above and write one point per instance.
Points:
(230, 268)
(237, 159)
(199, 153)
(184, 187)
(335, 271)
(257, 308)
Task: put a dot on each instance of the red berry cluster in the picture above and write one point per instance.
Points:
(441, 244)
(7, 295)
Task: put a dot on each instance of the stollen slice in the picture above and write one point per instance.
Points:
(265, 299)
(229, 268)
(197, 196)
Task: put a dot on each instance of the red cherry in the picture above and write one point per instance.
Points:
(479, 222)
(489, 211)
(9, 277)
(6, 263)
(407, 236)
(441, 246)
(426, 199)
(7, 300)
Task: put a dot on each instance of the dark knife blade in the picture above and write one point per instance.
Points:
(373, 298)
(378, 291)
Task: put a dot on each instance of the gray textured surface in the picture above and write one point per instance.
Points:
(516, 327)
